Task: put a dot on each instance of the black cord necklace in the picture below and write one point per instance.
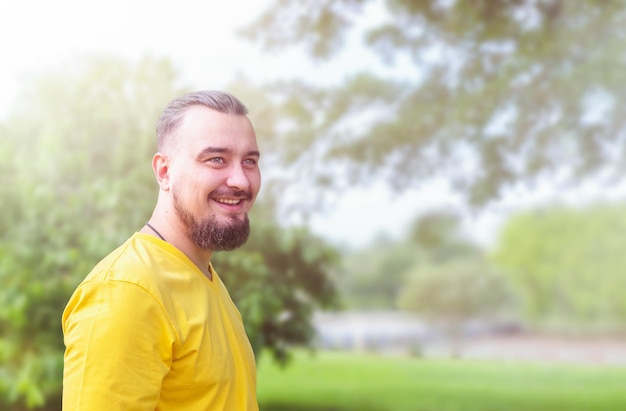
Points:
(155, 230)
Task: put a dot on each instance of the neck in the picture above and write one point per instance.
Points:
(155, 231)
(176, 237)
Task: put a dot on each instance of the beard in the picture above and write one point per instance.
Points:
(209, 234)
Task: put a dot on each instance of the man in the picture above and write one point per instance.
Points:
(152, 326)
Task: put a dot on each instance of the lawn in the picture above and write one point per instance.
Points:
(332, 381)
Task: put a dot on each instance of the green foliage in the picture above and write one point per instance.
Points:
(455, 283)
(438, 233)
(568, 265)
(349, 382)
(277, 281)
(373, 278)
(76, 183)
(312, 23)
(385, 274)
(457, 290)
(487, 94)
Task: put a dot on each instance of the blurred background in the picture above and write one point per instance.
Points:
(442, 179)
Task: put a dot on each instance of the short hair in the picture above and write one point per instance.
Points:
(174, 112)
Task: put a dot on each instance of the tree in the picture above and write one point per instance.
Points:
(439, 234)
(488, 94)
(567, 265)
(373, 277)
(380, 275)
(77, 182)
(278, 280)
(453, 282)
(453, 292)
(74, 186)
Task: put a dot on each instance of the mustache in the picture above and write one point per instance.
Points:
(247, 195)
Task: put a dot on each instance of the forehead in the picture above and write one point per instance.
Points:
(202, 127)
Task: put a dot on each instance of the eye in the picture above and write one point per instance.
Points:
(250, 162)
(218, 160)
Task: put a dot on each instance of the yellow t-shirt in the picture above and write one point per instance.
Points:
(147, 330)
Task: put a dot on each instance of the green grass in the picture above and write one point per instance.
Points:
(330, 381)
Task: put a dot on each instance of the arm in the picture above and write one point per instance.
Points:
(118, 348)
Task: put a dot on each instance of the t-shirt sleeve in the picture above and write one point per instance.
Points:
(119, 343)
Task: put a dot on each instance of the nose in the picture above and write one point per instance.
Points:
(237, 178)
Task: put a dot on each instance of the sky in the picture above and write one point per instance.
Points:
(200, 38)
(198, 35)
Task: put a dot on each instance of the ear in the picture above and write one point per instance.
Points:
(160, 166)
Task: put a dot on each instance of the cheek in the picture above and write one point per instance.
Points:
(185, 187)
(255, 182)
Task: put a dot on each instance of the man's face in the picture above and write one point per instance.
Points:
(215, 177)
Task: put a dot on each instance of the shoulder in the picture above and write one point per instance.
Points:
(150, 266)
(136, 261)
(124, 285)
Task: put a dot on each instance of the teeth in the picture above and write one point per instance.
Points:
(226, 201)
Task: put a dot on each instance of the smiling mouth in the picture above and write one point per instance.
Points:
(228, 201)
(230, 197)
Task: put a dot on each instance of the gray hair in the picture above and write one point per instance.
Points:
(174, 112)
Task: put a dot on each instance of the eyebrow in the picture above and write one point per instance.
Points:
(213, 150)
